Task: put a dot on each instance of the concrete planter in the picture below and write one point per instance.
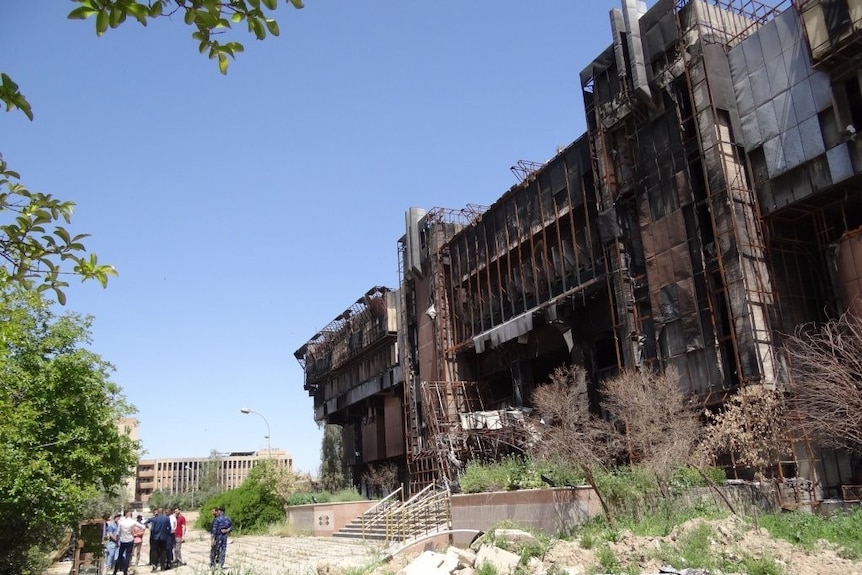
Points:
(550, 511)
(324, 519)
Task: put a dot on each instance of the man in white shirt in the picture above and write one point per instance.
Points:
(126, 540)
(172, 539)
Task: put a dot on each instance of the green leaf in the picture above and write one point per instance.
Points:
(234, 47)
(257, 28)
(81, 13)
(297, 4)
(222, 63)
(271, 4)
(116, 17)
(156, 10)
(140, 12)
(63, 235)
(272, 26)
(101, 22)
(8, 83)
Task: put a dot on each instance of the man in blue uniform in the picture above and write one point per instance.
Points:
(222, 525)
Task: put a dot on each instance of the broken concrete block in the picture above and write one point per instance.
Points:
(503, 562)
(515, 537)
(430, 563)
(466, 557)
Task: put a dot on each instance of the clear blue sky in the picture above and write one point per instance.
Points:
(244, 212)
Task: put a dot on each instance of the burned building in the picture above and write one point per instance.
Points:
(712, 205)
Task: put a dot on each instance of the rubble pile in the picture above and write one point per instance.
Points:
(500, 553)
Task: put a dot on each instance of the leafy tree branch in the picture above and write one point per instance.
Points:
(211, 19)
(36, 251)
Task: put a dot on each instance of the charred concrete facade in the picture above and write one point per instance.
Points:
(714, 203)
(352, 371)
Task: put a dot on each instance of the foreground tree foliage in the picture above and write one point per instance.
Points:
(59, 443)
(211, 19)
(35, 249)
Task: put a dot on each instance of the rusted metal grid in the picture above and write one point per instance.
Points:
(537, 243)
(359, 326)
(460, 428)
(730, 22)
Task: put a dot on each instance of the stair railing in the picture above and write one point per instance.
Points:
(381, 510)
(424, 513)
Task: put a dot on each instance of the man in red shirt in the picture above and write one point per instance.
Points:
(180, 534)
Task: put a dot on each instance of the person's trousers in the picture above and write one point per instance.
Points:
(124, 557)
(154, 558)
(169, 549)
(110, 554)
(218, 551)
(178, 551)
(159, 554)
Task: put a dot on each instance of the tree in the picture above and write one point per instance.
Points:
(333, 471)
(751, 427)
(571, 433)
(656, 422)
(382, 477)
(59, 443)
(826, 387)
(209, 484)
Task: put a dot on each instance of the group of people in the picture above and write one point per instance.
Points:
(124, 537)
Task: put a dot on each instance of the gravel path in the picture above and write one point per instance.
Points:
(263, 555)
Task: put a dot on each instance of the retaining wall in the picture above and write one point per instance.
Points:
(324, 519)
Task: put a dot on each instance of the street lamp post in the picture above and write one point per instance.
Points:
(246, 411)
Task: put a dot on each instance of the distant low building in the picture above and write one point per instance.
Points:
(185, 474)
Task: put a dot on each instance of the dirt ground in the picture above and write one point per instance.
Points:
(732, 536)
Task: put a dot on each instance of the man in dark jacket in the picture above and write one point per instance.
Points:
(160, 532)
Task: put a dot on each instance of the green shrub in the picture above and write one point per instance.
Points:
(251, 507)
(518, 472)
(607, 559)
(480, 477)
(805, 529)
(309, 497)
(486, 568)
(761, 566)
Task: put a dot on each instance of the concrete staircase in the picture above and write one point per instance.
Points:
(394, 519)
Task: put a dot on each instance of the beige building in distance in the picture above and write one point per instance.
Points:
(184, 475)
(129, 426)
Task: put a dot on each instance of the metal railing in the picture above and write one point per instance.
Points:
(381, 510)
